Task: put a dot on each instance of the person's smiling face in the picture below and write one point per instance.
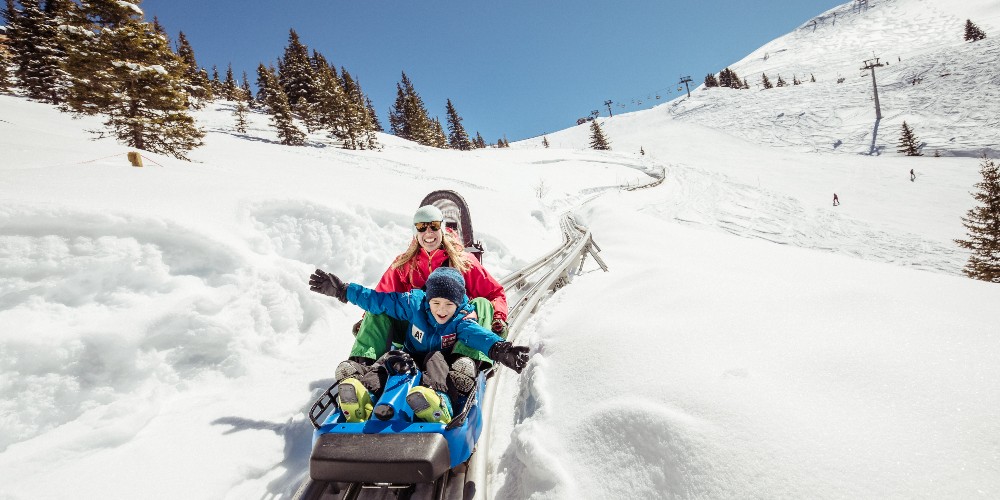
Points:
(442, 309)
(430, 238)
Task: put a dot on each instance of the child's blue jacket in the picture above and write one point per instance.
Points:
(425, 334)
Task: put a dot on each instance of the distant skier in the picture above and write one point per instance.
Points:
(913, 176)
(836, 201)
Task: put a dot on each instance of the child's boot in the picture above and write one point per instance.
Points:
(354, 400)
(429, 405)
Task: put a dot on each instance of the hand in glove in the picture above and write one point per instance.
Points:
(499, 327)
(328, 284)
(512, 356)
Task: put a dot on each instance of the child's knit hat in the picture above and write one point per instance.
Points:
(446, 283)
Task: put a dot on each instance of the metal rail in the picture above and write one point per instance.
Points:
(528, 287)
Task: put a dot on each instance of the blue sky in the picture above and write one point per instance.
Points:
(517, 68)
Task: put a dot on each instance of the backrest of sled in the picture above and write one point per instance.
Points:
(457, 217)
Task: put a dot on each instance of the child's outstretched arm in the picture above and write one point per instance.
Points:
(498, 349)
(397, 305)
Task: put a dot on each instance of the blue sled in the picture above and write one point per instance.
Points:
(393, 446)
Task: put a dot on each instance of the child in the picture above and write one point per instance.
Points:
(437, 318)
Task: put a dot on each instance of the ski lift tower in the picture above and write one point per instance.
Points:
(871, 64)
(686, 80)
(608, 104)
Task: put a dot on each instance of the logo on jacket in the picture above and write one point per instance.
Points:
(448, 340)
(417, 334)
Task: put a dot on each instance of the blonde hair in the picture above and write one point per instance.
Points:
(451, 245)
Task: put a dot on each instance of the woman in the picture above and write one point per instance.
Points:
(433, 246)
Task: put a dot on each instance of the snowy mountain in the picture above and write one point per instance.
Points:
(946, 88)
(158, 338)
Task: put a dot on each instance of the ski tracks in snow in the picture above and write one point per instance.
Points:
(700, 198)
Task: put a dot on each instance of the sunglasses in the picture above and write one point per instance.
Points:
(422, 226)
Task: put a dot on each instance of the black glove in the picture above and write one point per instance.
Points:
(499, 327)
(512, 356)
(328, 284)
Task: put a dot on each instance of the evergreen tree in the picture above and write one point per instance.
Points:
(216, 84)
(119, 66)
(812, 78)
(439, 139)
(642, 152)
(545, 142)
(360, 124)
(795, 80)
(4, 73)
(262, 79)
(195, 80)
(295, 73)
(281, 112)
(230, 91)
(373, 116)
(983, 225)
(408, 117)
(972, 32)
(781, 82)
(766, 81)
(39, 48)
(908, 142)
(597, 139)
(241, 117)
(457, 137)
(247, 93)
(332, 108)
(725, 79)
(711, 80)
(480, 142)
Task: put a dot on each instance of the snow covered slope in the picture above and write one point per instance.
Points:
(946, 89)
(158, 339)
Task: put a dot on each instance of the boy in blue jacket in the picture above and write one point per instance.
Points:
(438, 317)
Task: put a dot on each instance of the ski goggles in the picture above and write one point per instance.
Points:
(422, 226)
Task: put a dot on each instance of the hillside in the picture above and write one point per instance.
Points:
(947, 89)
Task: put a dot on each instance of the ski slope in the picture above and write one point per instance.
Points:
(159, 340)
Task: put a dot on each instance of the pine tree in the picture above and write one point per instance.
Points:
(972, 32)
(408, 117)
(295, 73)
(908, 142)
(480, 142)
(216, 84)
(39, 48)
(281, 113)
(597, 139)
(247, 93)
(438, 139)
(795, 80)
(119, 66)
(360, 127)
(812, 78)
(230, 91)
(332, 108)
(262, 79)
(545, 141)
(642, 152)
(373, 116)
(4, 73)
(766, 81)
(458, 138)
(983, 225)
(711, 80)
(195, 79)
(781, 82)
(241, 117)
